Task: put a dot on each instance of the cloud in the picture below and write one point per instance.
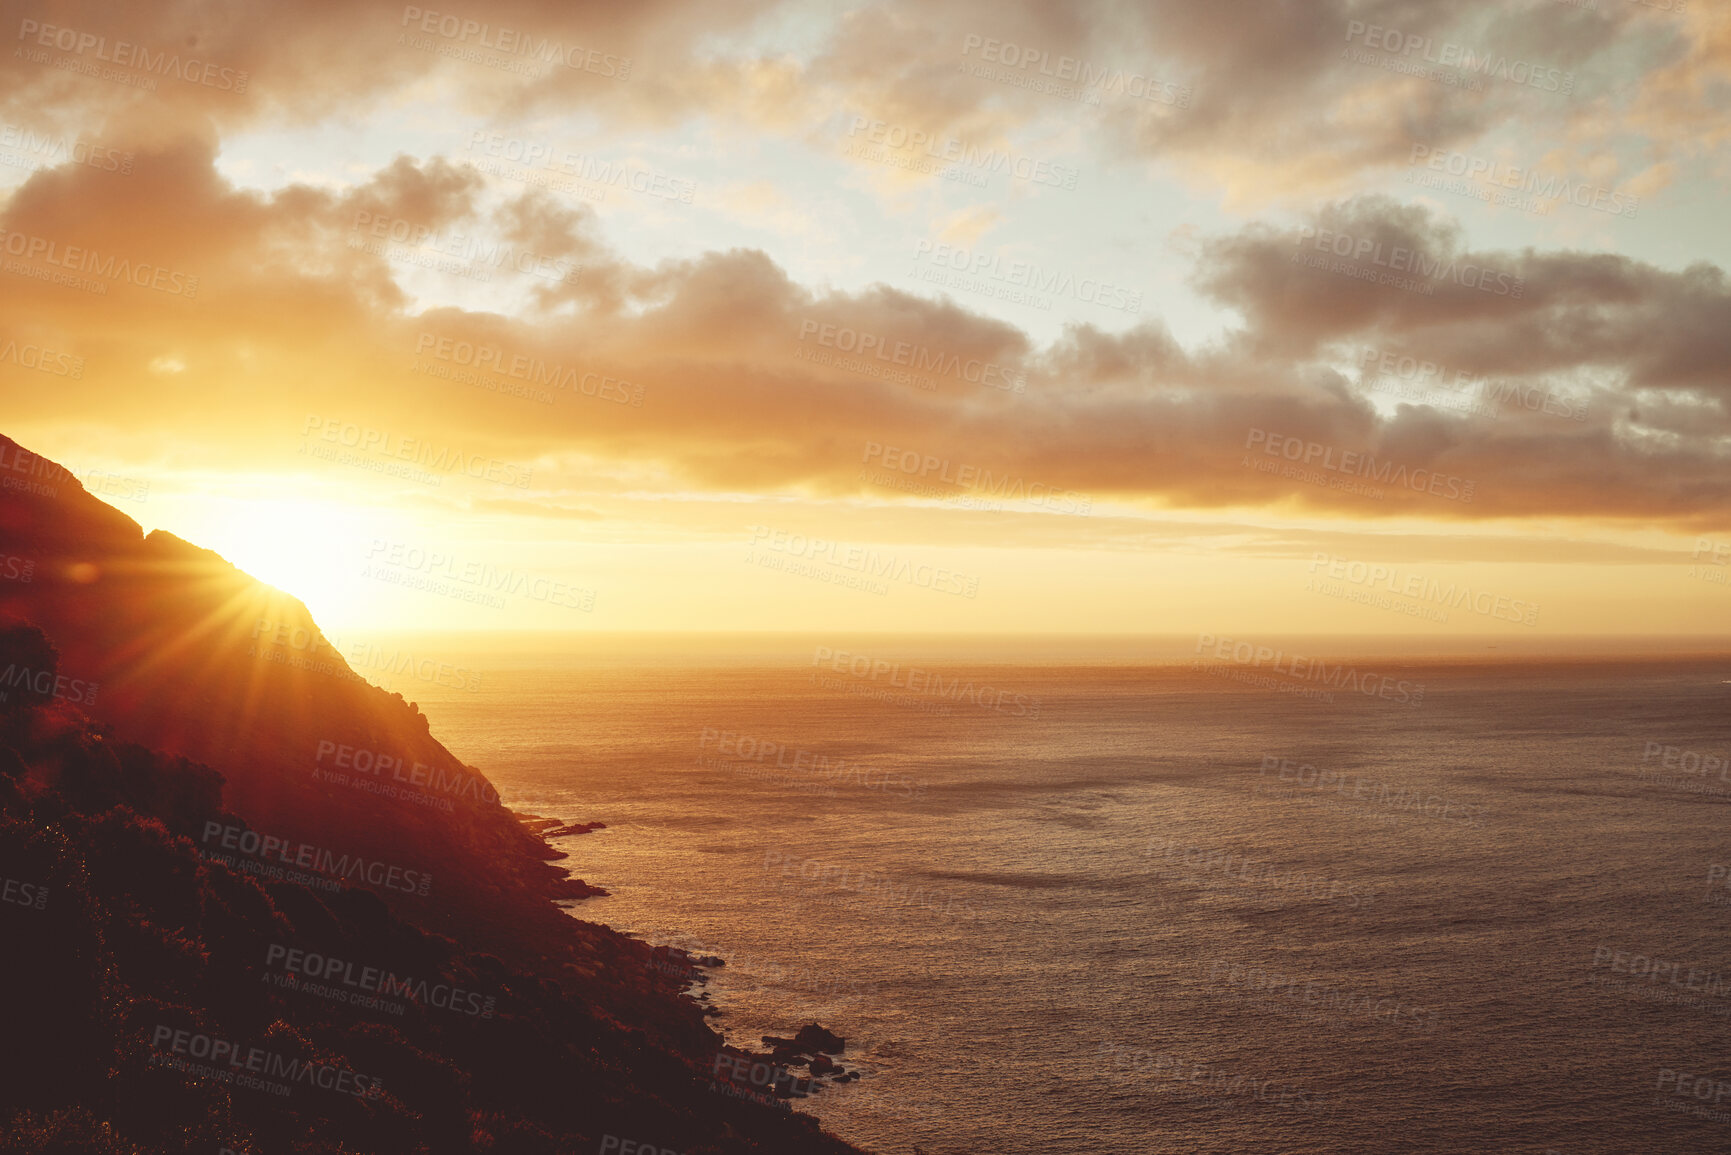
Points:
(175, 66)
(721, 373)
(1271, 102)
(1262, 102)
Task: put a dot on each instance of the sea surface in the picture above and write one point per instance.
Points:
(1118, 907)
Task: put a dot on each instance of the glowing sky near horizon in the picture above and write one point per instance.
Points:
(829, 317)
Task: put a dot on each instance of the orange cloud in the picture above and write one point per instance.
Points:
(721, 372)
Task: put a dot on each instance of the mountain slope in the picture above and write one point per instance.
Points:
(157, 758)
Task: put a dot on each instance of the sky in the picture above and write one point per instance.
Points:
(1349, 318)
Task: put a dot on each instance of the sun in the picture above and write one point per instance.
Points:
(308, 548)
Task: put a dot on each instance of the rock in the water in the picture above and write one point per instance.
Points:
(557, 831)
(813, 1039)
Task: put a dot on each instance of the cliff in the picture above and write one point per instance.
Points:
(164, 721)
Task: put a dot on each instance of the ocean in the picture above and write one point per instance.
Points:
(1111, 906)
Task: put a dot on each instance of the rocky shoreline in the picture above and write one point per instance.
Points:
(194, 861)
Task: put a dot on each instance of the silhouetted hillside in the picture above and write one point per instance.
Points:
(194, 657)
(195, 922)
